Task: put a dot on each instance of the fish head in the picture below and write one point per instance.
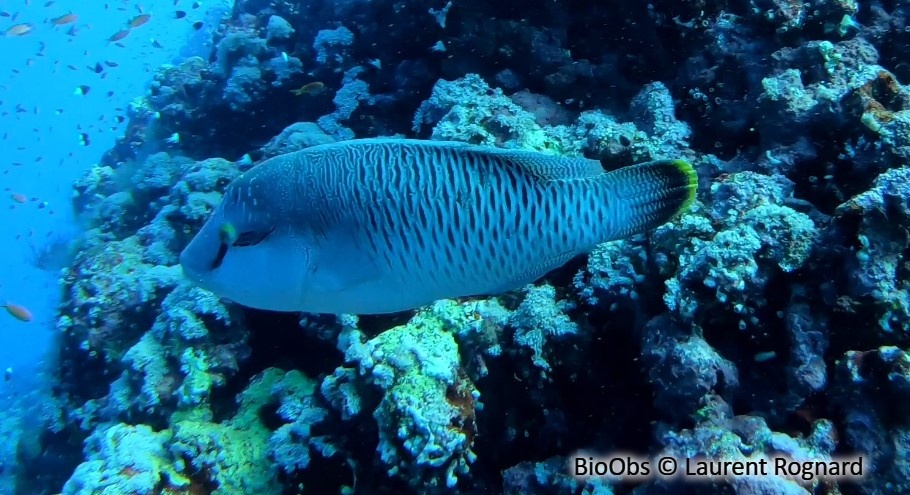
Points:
(247, 251)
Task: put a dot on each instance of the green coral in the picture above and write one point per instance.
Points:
(426, 413)
(419, 361)
(197, 383)
(234, 454)
(126, 459)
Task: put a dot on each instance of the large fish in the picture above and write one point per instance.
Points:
(384, 225)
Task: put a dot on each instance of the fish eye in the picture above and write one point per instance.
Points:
(228, 233)
(230, 238)
(251, 237)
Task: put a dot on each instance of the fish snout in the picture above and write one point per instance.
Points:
(192, 264)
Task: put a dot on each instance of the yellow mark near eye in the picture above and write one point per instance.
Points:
(228, 233)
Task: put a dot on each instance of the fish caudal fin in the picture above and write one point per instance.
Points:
(652, 193)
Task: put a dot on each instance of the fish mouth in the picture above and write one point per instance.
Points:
(219, 256)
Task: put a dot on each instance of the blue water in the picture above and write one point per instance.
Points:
(42, 150)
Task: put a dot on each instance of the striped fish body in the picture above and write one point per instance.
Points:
(387, 225)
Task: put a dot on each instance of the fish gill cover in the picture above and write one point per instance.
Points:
(771, 318)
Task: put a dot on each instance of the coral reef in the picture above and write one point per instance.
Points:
(769, 319)
(425, 416)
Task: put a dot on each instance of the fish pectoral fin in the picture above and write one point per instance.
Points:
(348, 267)
(340, 281)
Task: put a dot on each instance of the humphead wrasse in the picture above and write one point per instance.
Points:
(384, 225)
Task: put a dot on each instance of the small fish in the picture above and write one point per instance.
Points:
(84, 139)
(156, 44)
(119, 35)
(18, 197)
(310, 88)
(4, 13)
(8, 374)
(18, 312)
(196, 5)
(139, 20)
(180, 14)
(82, 90)
(98, 68)
(64, 19)
(111, 63)
(761, 357)
(197, 25)
(19, 30)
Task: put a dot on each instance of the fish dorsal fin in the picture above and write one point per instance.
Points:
(541, 166)
(547, 167)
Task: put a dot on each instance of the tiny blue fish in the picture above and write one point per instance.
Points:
(382, 225)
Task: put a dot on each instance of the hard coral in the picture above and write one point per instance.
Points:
(736, 264)
(126, 459)
(425, 418)
(880, 218)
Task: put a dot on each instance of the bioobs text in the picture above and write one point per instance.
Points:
(628, 467)
(618, 466)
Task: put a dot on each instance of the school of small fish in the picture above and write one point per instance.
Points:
(24, 24)
(70, 23)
